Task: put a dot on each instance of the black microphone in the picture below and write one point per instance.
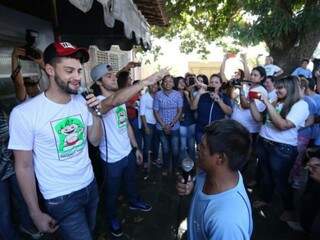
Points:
(84, 91)
(187, 166)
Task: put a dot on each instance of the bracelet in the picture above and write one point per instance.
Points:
(15, 72)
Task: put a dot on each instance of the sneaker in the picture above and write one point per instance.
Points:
(115, 228)
(140, 205)
(156, 162)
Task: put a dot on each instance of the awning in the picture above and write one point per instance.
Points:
(93, 22)
(115, 13)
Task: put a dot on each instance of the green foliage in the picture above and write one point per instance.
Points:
(279, 23)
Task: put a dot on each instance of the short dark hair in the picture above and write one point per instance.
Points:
(272, 79)
(311, 83)
(230, 138)
(305, 60)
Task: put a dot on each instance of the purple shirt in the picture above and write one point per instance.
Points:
(167, 105)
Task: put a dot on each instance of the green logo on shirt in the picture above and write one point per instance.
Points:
(69, 135)
(121, 116)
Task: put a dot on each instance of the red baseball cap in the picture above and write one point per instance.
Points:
(64, 49)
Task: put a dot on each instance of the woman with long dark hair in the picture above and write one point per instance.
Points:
(187, 121)
(277, 142)
(241, 113)
(210, 106)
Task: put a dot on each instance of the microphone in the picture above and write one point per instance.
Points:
(187, 166)
(84, 91)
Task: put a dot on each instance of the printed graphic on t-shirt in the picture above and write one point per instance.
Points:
(121, 117)
(278, 109)
(69, 135)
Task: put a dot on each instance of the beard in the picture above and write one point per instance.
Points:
(64, 86)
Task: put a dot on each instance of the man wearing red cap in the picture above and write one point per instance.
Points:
(49, 137)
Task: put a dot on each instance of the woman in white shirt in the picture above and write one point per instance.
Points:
(277, 142)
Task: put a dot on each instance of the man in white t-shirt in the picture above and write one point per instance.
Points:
(118, 149)
(271, 69)
(150, 138)
(48, 135)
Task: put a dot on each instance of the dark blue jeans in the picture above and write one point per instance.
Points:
(10, 188)
(275, 161)
(151, 142)
(170, 144)
(76, 212)
(125, 168)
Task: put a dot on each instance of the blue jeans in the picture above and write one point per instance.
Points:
(187, 141)
(137, 132)
(199, 134)
(10, 187)
(76, 212)
(275, 163)
(125, 168)
(170, 144)
(150, 142)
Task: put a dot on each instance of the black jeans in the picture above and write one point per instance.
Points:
(275, 163)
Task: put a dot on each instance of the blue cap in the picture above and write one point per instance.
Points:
(100, 70)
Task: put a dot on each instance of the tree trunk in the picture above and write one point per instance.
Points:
(290, 56)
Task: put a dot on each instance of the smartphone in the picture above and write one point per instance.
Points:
(254, 95)
(211, 89)
(192, 81)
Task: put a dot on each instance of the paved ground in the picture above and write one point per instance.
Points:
(160, 223)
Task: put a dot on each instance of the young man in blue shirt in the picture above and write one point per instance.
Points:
(302, 70)
(220, 208)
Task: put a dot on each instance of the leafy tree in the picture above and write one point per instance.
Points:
(290, 28)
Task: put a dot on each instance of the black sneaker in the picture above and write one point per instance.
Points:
(140, 205)
(115, 228)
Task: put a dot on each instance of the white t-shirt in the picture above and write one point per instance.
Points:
(244, 116)
(272, 96)
(57, 135)
(146, 108)
(298, 114)
(271, 69)
(115, 122)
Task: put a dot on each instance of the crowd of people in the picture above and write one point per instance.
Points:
(258, 130)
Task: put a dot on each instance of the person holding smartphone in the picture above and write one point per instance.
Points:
(211, 105)
(277, 142)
